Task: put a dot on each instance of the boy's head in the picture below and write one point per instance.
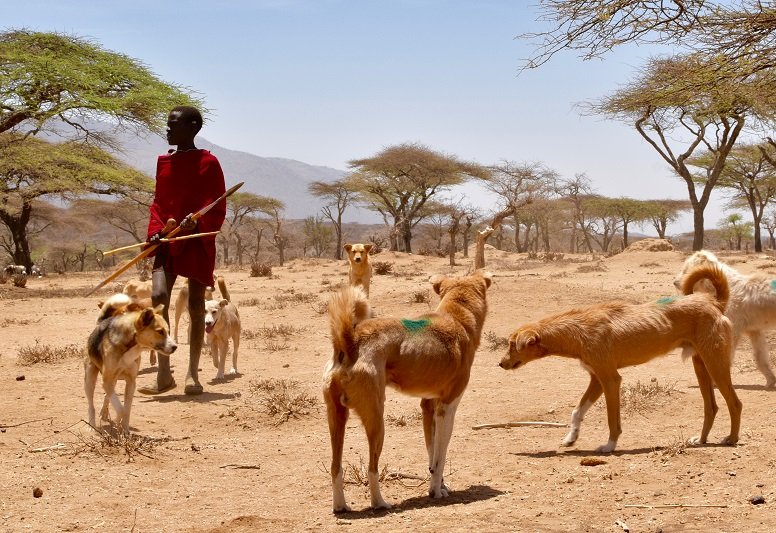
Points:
(183, 124)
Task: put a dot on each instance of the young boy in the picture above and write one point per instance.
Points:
(187, 179)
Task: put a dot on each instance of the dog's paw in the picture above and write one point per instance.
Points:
(381, 504)
(569, 440)
(607, 448)
(730, 440)
(232, 371)
(344, 508)
(441, 492)
(696, 441)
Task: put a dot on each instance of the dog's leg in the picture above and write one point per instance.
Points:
(593, 392)
(710, 407)
(760, 349)
(444, 416)
(223, 346)
(129, 394)
(235, 347)
(427, 408)
(611, 384)
(90, 382)
(338, 417)
(152, 357)
(370, 411)
(720, 374)
(109, 385)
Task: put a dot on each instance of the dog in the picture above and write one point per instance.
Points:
(138, 289)
(360, 270)
(751, 309)
(222, 322)
(430, 358)
(614, 335)
(182, 306)
(123, 331)
(15, 270)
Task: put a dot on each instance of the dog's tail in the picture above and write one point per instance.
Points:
(115, 305)
(222, 289)
(347, 308)
(715, 276)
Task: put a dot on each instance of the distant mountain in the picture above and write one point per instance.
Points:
(284, 179)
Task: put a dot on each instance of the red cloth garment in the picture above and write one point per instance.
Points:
(185, 183)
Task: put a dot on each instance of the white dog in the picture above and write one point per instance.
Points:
(222, 322)
(751, 309)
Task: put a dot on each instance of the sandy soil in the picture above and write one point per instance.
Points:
(221, 462)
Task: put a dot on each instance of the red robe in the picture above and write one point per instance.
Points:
(185, 183)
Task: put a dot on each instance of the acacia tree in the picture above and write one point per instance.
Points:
(734, 230)
(661, 212)
(629, 211)
(750, 180)
(32, 169)
(338, 196)
(399, 181)
(275, 209)
(240, 206)
(706, 114)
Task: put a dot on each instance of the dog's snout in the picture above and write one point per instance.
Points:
(357, 259)
(173, 348)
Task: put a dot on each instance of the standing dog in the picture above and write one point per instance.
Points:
(430, 357)
(182, 306)
(751, 309)
(360, 270)
(222, 322)
(114, 347)
(140, 293)
(610, 336)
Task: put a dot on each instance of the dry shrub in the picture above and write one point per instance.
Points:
(598, 267)
(381, 268)
(251, 302)
(13, 321)
(114, 440)
(45, 353)
(359, 475)
(640, 397)
(422, 296)
(19, 280)
(404, 420)
(278, 330)
(291, 297)
(261, 270)
(676, 447)
(495, 342)
(280, 399)
(320, 307)
(272, 345)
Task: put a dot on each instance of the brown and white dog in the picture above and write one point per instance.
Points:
(430, 357)
(614, 335)
(360, 270)
(751, 309)
(114, 348)
(222, 322)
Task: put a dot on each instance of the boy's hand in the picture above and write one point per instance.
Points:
(187, 224)
(154, 239)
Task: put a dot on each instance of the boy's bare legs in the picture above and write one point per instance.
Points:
(162, 283)
(197, 314)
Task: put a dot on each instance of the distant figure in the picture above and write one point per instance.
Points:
(187, 179)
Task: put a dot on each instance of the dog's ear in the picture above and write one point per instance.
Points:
(145, 319)
(99, 304)
(159, 309)
(436, 282)
(368, 248)
(223, 303)
(533, 339)
(487, 276)
(347, 247)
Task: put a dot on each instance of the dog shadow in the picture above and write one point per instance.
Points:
(474, 493)
(583, 453)
(227, 378)
(743, 387)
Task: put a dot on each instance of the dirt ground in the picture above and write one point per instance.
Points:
(223, 462)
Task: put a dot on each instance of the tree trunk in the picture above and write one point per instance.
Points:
(697, 219)
(466, 233)
(624, 235)
(338, 231)
(17, 225)
(406, 235)
(479, 254)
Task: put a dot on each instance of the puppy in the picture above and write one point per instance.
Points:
(114, 347)
(222, 322)
(610, 336)
(751, 309)
(430, 358)
(360, 269)
(182, 306)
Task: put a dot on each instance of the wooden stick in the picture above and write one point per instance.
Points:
(519, 424)
(237, 465)
(675, 505)
(173, 239)
(57, 446)
(22, 423)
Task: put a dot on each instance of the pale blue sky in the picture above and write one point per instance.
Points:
(326, 81)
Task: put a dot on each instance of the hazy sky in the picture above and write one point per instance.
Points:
(327, 81)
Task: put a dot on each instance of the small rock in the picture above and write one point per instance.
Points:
(757, 500)
(37, 492)
(20, 378)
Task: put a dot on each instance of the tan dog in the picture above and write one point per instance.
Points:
(610, 336)
(751, 309)
(430, 358)
(222, 322)
(360, 270)
(114, 347)
(138, 289)
(182, 306)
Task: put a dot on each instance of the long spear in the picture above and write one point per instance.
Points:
(162, 240)
(177, 229)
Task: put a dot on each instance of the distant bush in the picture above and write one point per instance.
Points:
(261, 270)
(381, 268)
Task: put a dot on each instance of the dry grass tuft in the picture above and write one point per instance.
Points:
(47, 354)
(598, 267)
(422, 296)
(114, 440)
(381, 268)
(404, 420)
(359, 475)
(280, 399)
(495, 342)
(640, 397)
(19, 280)
(261, 270)
(273, 345)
